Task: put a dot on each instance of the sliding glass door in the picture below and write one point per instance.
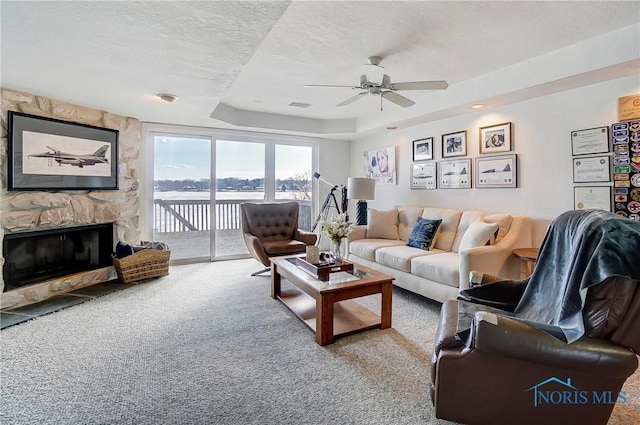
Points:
(240, 177)
(182, 195)
(200, 220)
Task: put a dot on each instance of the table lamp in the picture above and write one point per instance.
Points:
(362, 189)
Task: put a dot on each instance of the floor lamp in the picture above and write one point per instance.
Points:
(362, 189)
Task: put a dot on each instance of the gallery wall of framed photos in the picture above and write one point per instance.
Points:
(492, 169)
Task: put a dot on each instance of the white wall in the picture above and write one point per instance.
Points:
(541, 136)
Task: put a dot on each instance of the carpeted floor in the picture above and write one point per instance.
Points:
(208, 345)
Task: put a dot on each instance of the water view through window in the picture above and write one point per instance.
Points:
(244, 171)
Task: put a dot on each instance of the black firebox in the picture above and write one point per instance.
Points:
(32, 257)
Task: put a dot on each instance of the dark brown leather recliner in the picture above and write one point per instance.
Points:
(506, 370)
(271, 230)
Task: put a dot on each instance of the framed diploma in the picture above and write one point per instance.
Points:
(496, 171)
(592, 169)
(592, 197)
(590, 141)
(455, 174)
(424, 175)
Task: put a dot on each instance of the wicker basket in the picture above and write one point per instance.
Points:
(144, 264)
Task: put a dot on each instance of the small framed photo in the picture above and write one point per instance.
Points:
(496, 171)
(455, 174)
(454, 144)
(423, 149)
(495, 138)
(424, 175)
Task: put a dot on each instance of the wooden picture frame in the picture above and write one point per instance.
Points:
(495, 138)
(423, 149)
(454, 144)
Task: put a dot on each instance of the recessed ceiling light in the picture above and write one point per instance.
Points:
(299, 104)
(392, 127)
(477, 106)
(167, 97)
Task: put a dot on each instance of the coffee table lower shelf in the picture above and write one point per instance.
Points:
(349, 317)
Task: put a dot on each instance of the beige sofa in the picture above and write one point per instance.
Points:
(442, 271)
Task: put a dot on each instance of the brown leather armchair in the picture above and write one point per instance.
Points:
(504, 369)
(271, 230)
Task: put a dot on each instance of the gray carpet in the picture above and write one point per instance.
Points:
(208, 345)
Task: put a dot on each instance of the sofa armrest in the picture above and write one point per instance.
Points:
(489, 258)
(492, 259)
(359, 232)
(507, 337)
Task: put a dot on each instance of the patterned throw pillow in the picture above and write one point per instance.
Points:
(424, 233)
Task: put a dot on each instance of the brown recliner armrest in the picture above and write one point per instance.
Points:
(515, 339)
(308, 238)
(502, 294)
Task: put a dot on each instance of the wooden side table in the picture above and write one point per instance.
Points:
(528, 256)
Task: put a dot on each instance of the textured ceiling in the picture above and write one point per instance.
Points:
(249, 60)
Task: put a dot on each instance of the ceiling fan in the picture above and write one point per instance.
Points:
(375, 82)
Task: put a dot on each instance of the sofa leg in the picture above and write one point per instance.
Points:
(268, 269)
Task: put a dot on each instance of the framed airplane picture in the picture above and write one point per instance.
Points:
(50, 154)
(498, 171)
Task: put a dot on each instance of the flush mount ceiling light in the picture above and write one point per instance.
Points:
(167, 97)
(477, 106)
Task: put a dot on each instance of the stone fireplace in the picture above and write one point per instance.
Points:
(29, 212)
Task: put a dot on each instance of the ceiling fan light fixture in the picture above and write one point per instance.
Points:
(167, 97)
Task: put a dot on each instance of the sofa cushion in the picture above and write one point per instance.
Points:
(407, 217)
(382, 224)
(450, 219)
(366, 248)
(503, 221)
(478, 234)
(424, 233)
(441, 267)
(399, 257)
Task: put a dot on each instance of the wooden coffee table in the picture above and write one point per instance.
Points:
(328, 307)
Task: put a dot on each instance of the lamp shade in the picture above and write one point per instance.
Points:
(361, 188)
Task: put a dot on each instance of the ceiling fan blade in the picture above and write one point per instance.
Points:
(397, 99)
(420, 85)
(351, 99)
(330, 85)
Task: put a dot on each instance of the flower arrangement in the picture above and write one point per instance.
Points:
(337, 228)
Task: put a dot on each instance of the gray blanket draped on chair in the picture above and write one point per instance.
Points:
(582, 248)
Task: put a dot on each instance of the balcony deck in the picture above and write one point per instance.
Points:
(184, 224)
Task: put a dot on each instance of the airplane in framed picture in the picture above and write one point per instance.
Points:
(74, 159)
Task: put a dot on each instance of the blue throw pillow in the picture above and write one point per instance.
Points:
(424, 233)
(123, 249)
